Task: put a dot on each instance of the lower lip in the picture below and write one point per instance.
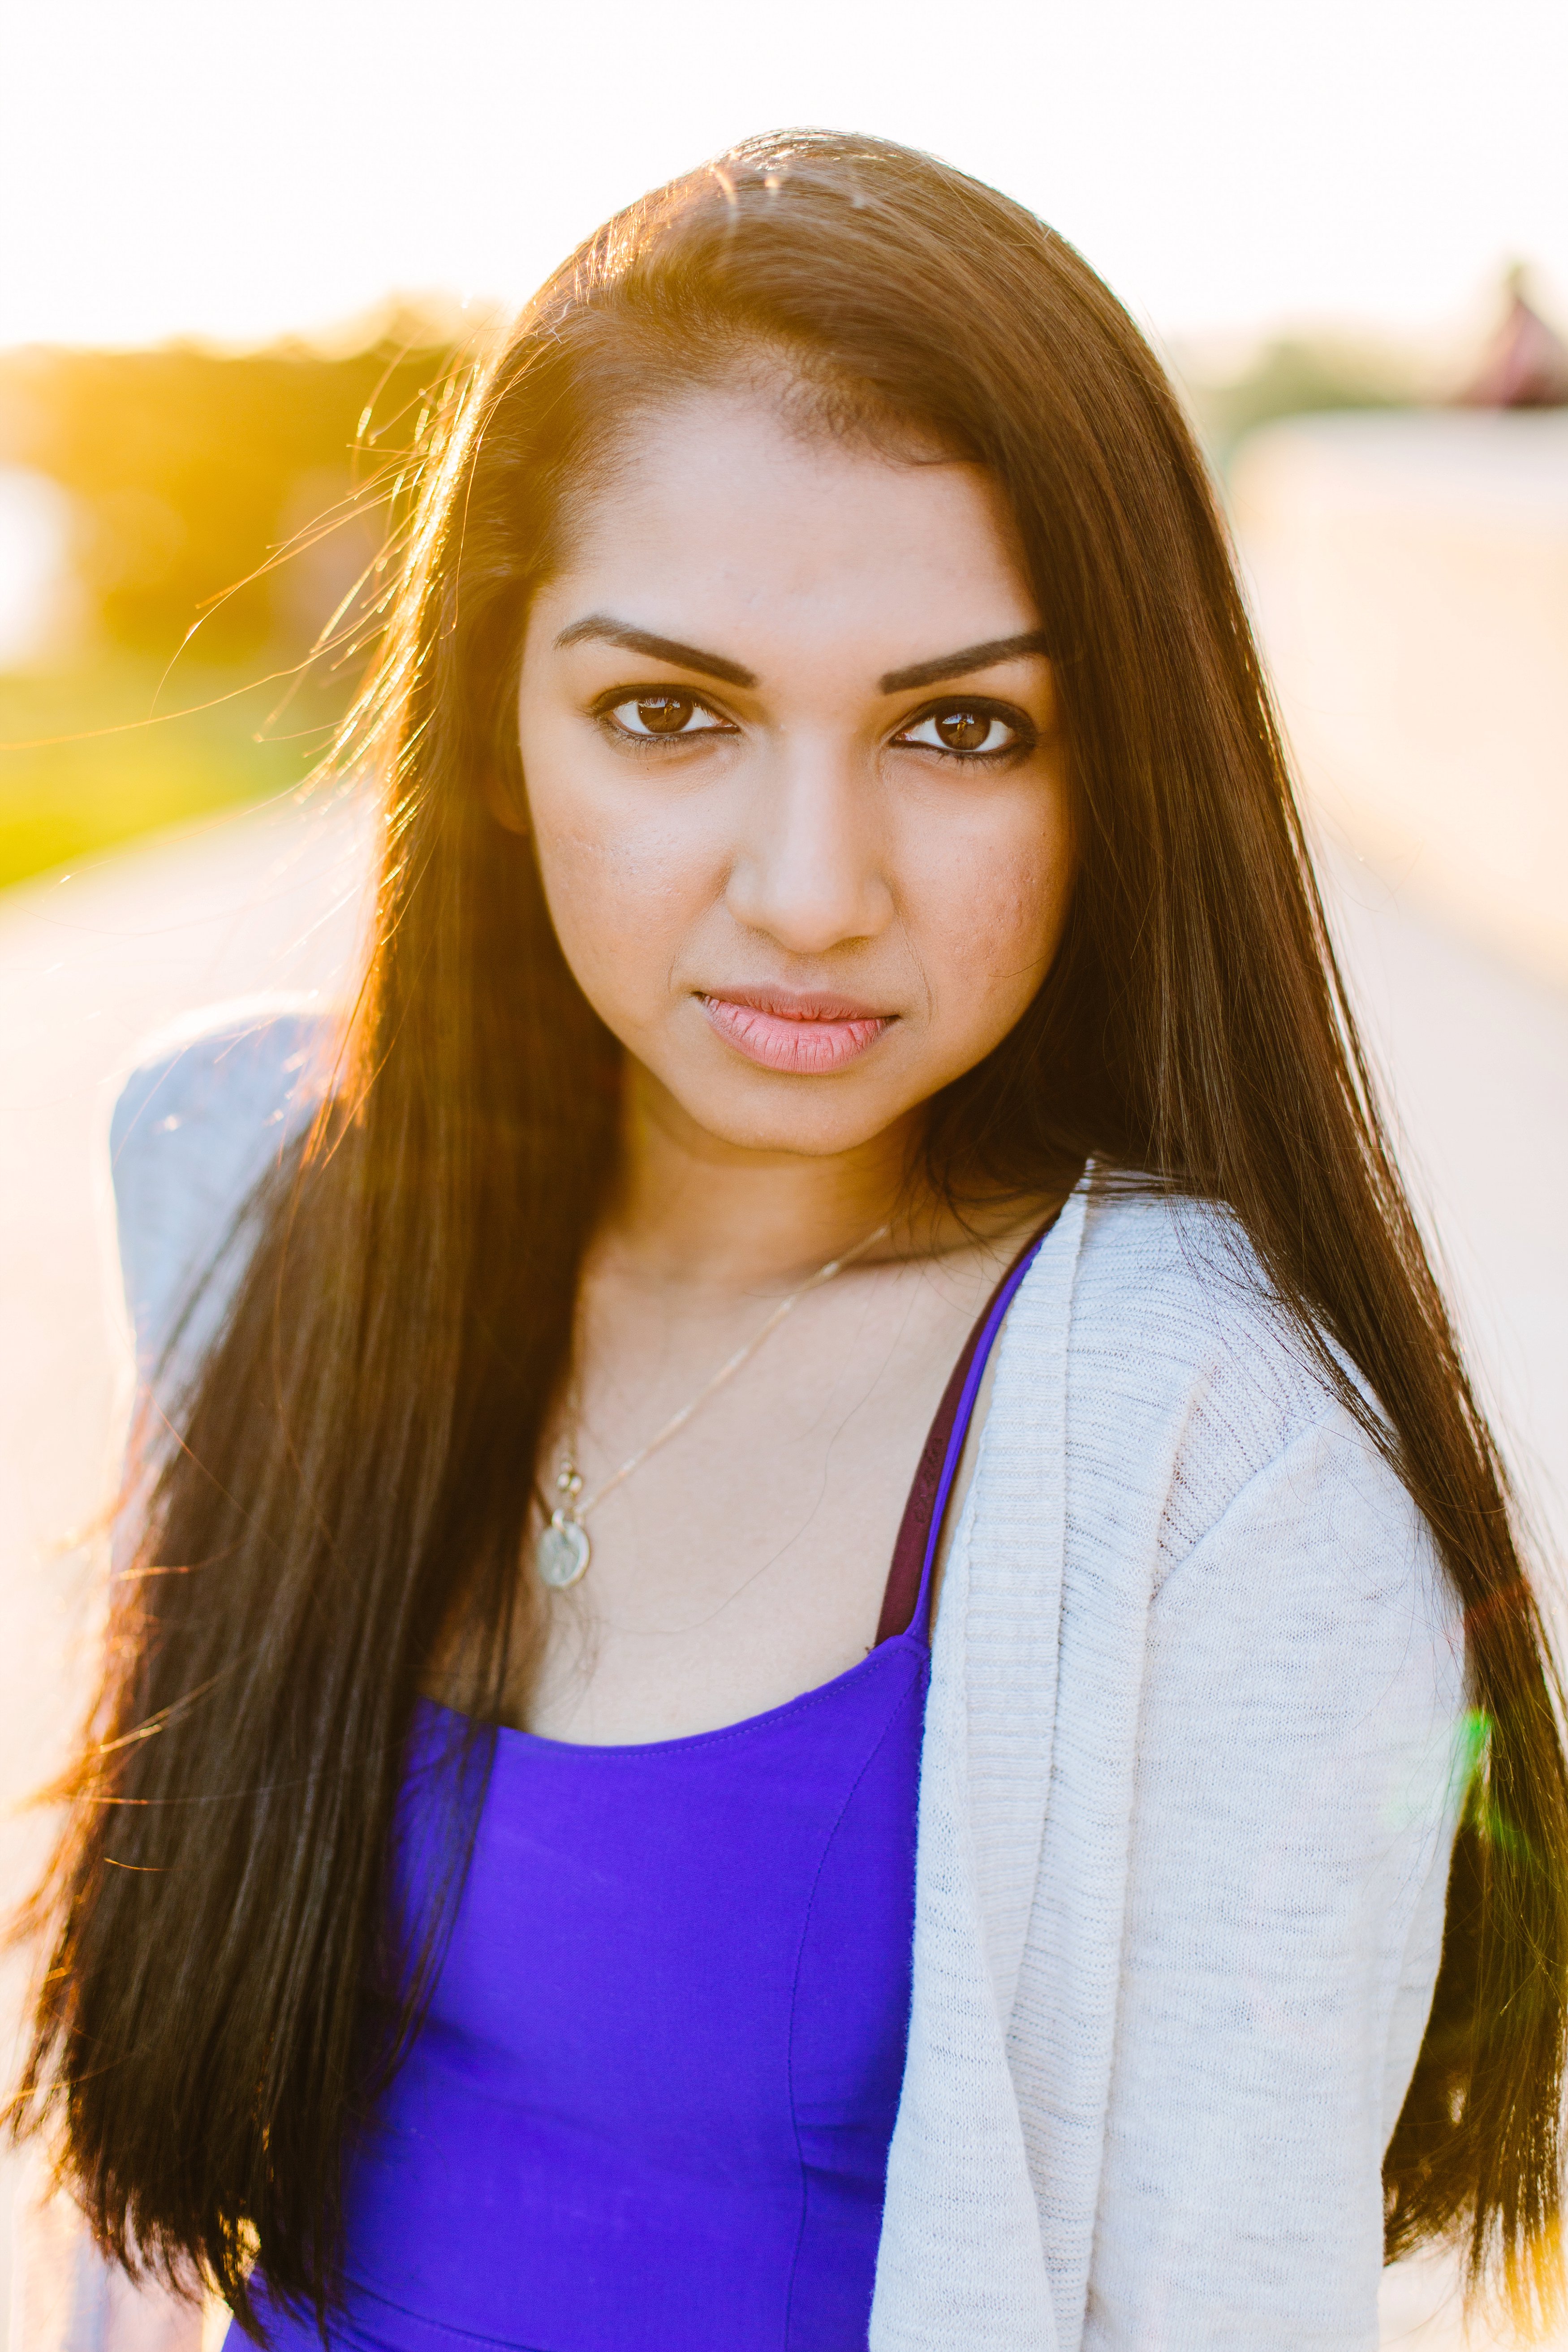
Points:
(803, 1048)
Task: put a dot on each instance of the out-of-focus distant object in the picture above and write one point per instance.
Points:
(1526, 363)
(40, 599)
(1410, 571)
(1234, 386)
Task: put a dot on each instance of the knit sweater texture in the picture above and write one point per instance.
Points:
(1189, 1783)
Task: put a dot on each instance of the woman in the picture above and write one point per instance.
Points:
(841, 897)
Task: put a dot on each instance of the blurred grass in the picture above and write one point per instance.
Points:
(87, 762)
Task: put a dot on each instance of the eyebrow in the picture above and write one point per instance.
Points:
(960, 664)
(606, 631)
(601, 628)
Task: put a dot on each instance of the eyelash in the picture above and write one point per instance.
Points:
(978, 705)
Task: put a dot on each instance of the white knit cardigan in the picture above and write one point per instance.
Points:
(1188, 1786)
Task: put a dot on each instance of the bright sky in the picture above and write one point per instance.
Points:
(232, 169)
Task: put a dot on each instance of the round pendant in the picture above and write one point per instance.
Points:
(563, 1551)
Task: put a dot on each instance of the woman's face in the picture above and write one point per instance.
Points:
(795, 775)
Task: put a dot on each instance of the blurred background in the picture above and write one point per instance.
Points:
(242, 249)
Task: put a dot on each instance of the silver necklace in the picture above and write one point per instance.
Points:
(563, 1551)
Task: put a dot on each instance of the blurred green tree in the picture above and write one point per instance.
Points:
(195, 472)
(226, 507)
(1295, 375)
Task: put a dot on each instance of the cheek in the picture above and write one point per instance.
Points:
(619, 900)
(988, 923)
(623, 886)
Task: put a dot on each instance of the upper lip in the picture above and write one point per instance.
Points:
(797, 1003)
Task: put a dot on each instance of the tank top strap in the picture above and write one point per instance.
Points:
(905, 1600)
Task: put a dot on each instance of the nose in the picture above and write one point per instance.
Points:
(811, 871)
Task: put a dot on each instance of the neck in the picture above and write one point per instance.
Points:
(695, 1211)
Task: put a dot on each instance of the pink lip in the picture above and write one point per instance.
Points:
(807, 1034)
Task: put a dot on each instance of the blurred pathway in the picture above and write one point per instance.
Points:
(1476, 1058)
(89, 964)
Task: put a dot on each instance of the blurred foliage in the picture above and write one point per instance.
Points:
(229, 504)
(1293, 376)
(192, 470)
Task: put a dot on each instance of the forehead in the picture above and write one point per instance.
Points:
(720, 517)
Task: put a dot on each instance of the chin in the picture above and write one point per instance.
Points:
(811, 1116)
(810, 1138)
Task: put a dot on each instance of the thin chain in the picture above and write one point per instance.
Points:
(569, 1478)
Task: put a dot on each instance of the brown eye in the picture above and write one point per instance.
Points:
(653, 715)
(967, 733)
(664, 714)
(964, 731)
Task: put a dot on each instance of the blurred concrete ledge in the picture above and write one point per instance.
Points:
(1410, 573)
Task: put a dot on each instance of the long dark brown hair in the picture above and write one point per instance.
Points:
(356, 1456)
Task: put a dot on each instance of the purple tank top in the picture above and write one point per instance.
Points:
(650, 2105)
